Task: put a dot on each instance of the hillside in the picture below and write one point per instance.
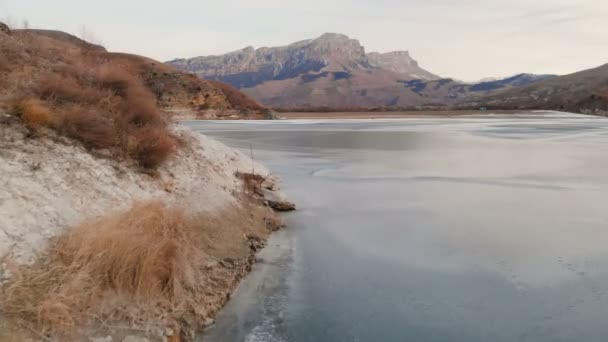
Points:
(582, 92)
(116, 222)
(448, 91)
(40, 53)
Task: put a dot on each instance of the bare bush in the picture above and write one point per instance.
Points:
(34, 113)
(152, 146)
(89, 127)
(85, 95)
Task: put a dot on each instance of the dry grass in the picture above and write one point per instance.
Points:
(152, 146)
(84, 94)
(34, 113)
(104, 108)
(136, 266)
(64, 82)
(146, 254)
(88, 126)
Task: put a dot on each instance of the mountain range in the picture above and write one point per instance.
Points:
(335, 71)
(581, 92)
(332, 70)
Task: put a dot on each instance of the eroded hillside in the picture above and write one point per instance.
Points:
(117, 223)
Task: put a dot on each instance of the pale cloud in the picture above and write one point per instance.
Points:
(465, 39)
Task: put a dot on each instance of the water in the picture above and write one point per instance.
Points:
(463, 229)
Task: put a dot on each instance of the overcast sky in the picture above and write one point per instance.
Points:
(464, 39)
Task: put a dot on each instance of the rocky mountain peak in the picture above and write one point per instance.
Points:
(248, 50)
(399, 62)
(329, 36)
(338, 51)
(337, 40)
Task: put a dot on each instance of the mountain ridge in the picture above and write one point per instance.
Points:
(335, 71)
(330, 70)
(584, 92)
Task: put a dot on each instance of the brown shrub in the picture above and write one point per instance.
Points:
(60, 89)
(35, 114)
(139, 109)
(89, 126)
(151, 146)
(116, 79)
(108, 108)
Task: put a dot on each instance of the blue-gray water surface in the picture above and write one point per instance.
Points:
(432, 229)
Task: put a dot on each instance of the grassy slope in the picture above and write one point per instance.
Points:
(107, 101)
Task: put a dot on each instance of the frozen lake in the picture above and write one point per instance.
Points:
(476, 229)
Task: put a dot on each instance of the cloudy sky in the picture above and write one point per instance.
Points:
(464, 39)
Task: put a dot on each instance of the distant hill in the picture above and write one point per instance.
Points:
(450, 92)
(582, 92)
(509, 82)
